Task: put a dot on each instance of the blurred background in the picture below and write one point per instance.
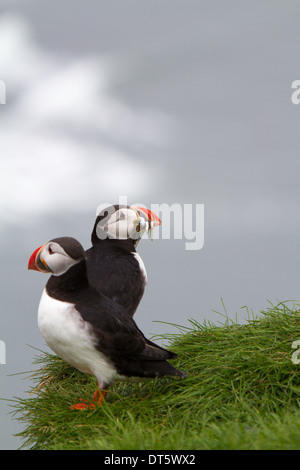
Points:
(182, 102)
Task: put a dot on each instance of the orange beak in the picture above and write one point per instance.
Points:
(37, 263)
(153, 218)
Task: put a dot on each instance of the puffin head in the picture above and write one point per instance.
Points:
(57, 256)
(123, 222)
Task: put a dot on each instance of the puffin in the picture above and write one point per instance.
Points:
(89, 330)
(113, 265)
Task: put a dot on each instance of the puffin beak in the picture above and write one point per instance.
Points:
(153, 219)
(37, 263)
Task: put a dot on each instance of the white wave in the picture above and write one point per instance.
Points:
(65, 142)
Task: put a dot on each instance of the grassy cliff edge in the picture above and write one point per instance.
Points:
(242, 392)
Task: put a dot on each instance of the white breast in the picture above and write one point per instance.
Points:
(141, 264)
(71, 338)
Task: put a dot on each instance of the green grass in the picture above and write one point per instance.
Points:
(242, 392)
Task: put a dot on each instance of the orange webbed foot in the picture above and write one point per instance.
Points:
(84, 405)
(98, 399)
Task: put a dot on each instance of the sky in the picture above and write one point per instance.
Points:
(176, 103)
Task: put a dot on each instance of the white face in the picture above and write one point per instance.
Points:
(56, 258)
(122, 224)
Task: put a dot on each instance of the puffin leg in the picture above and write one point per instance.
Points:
(97, 400)
(99, 396)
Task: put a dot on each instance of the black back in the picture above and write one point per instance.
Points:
(113, 270)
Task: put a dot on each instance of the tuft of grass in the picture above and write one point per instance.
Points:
(242, 392)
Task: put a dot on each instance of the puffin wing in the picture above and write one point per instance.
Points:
(116, 334)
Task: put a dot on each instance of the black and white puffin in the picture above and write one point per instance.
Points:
(113, 265)
(87, 329)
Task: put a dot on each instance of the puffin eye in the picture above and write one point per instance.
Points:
(122, 216)
(50, 251)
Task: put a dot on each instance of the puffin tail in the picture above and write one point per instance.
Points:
(164, 368)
